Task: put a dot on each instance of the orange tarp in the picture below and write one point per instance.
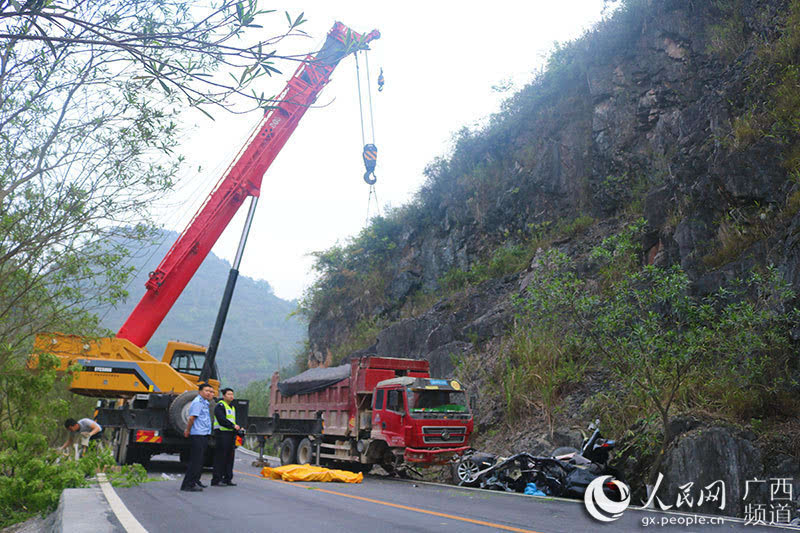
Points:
(310, 473)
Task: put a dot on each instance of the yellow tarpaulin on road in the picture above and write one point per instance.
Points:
(310, 473)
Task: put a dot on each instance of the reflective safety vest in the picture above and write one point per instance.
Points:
(230, 414)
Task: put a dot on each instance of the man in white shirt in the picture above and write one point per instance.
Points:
(81, 431)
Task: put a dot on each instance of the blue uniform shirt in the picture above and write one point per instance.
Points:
(202, 423)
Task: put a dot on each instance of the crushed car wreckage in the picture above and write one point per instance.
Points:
(566, 473)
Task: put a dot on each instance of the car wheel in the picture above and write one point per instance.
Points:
(465, 471)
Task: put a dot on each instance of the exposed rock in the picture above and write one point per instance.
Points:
(443, 358)
(706, 453)
(642, 125)
(402, 285)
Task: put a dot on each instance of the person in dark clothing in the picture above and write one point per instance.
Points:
(225, 428)
(198, 428)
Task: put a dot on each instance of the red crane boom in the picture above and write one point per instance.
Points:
(241, 179)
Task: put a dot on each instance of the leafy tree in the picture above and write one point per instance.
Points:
(90, 94)
(90, 97)
(646, 326)
(258, 394)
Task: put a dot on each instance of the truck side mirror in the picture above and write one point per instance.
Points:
(472, 403)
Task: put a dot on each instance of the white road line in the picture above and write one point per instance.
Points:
(125, 517)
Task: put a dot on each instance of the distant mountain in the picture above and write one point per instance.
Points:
(259, 336)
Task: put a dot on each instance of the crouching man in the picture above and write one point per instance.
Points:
(81, 432)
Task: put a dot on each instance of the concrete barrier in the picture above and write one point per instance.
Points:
(83, 510)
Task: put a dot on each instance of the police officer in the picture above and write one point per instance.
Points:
(198, 427)
(225, 428)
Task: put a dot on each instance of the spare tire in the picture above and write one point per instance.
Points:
(179, 410)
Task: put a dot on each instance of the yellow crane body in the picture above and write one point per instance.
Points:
(112, 367)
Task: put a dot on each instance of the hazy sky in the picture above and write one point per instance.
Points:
(440, 61)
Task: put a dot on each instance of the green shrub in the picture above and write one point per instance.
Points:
(648, 329)
(33, 474)
(507, 260)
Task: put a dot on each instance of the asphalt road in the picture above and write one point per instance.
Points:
(376, 505)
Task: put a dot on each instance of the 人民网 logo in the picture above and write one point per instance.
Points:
(600, 506)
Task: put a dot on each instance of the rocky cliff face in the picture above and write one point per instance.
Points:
(641, 116)
(661, 111)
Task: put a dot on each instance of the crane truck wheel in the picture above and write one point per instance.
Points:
(305, 452)
(121, 446)
(288, 453)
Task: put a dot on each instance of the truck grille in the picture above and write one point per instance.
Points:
(443, 434)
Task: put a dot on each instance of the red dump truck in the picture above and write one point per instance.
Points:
(373, 410)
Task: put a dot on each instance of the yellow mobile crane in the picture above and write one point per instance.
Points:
(153, 396)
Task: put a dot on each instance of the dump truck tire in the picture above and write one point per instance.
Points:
(288, 453)
(305, 452)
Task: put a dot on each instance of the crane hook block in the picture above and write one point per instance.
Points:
(381, 81)
(370, 159)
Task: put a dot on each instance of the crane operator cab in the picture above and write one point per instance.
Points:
(188, 359)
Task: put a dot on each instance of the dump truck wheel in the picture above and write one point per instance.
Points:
(305, 452)
(179, 410)
(288, 452)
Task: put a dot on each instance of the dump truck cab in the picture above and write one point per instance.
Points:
(424, 417)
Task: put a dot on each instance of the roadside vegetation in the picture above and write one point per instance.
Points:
(661, 347)
(728, 352)
(90, 101)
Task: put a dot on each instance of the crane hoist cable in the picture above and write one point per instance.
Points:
(372, 194)
(370, 153)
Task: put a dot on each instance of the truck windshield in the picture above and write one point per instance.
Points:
(437, 401)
